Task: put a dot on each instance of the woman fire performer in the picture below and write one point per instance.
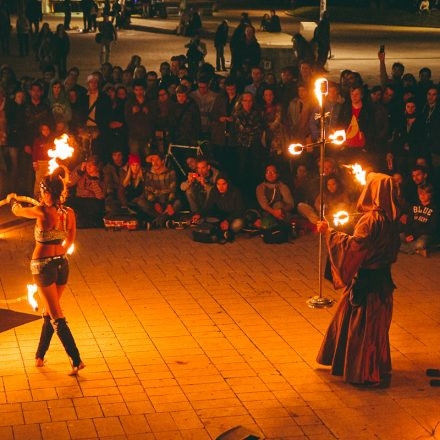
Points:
(356, 344)
(55, 231)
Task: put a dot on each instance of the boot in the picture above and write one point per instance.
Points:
(66, 338)
(45, 338)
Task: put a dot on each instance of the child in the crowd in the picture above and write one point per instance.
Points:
(40, 158)
(422, 224)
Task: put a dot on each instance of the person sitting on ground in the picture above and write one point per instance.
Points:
(265, 23)
(274, 198)
(132, 185)
(226, 204)
(422, 225)
(114, 172)
(88, 201)
(199, 184)
(160, 191)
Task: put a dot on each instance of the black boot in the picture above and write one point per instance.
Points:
(66, 338)
(45, 338)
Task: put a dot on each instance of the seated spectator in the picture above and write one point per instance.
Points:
(226, 204)
(132, 185)
(265, 23)
(419, 177)
(40, 158)
(199, 185)
(275, 24)
(114, 173)
(88, 201)
(160, 191)
(422, 226)
(274, 197)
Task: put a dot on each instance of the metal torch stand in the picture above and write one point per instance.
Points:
(319, 301)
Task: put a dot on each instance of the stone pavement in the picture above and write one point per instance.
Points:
(184, 340)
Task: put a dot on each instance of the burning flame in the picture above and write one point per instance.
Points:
(359, 173)
(321, 89)
(32, 290)
(62, 151)
(295, 149)
(338, 137)
(71, 249)
(340, 218)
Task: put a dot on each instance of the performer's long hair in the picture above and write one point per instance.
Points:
(54, 185)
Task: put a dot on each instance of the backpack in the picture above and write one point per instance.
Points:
(276, 235)
(207, 232)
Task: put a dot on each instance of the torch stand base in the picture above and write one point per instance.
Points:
(319, 302)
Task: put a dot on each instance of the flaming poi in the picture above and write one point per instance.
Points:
(32, 290)
(61, 151)
(341, 218)
(359, 173)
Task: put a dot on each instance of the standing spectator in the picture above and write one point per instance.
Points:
(3, 142)
(93, 15)
(248, 127)
(274, 24)
(61, 45)
(431, 118)
(357, 119)
(85, 7)
(165, 110)
(299, 113)
(321, 37)
(257, 85)
(117, 127)
(116, 12)
(108, 34)
(59, 102)
(5, 30)
(185, 120)
(303, 49)
(34, 14)
(23, 28)
(236, 41)
(140, 116)
(286, 90)
(220, 40)
(67, 14)
(249, 51)
(397, 71)
(40, 158)
(204, 98)
(195, 54)
(16, 118)
(195, 23)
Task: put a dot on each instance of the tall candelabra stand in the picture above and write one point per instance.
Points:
(338, 138)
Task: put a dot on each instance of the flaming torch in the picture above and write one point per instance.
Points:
(32, 290)
(341, 218)
(338, 137)
(295, 149)
(71, 248)
(359, 173)
(62, 151)
(321, 90)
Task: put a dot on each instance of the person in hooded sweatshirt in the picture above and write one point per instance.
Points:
(356, 344)
(225, 203)
(59, 102)
(274, 197)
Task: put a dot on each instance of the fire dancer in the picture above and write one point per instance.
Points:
(356, 344)
(55, 231)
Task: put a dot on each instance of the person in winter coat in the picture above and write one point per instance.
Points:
(23, 28)
(61, 44)
(220, 40)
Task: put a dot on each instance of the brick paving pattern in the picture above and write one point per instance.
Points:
(184, 341)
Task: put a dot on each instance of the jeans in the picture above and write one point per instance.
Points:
(104, 55)
(220, 58)
(418, 244)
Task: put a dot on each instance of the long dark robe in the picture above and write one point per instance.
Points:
(356, 344)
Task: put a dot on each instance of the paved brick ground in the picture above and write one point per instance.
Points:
(184, 340)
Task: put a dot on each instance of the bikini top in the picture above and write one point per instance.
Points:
(54, 235)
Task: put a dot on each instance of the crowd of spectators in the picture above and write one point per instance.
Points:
(124, 121)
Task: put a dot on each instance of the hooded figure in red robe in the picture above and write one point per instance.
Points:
(356, 344)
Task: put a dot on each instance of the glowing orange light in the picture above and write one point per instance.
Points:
(62, 151)
(321, 89)
(359, 173)
(338, 137)
(32, 290)
(340, 218)
(295, 149)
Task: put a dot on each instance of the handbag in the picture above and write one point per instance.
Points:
(98, 37)
(276, 235)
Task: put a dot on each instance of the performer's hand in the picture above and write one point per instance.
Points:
(11, 196)
(322, 226)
